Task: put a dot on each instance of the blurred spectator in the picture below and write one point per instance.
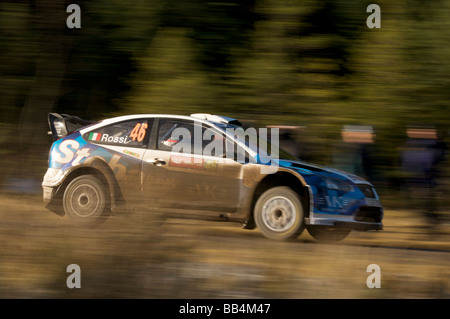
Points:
(354, 153)
(420, 158)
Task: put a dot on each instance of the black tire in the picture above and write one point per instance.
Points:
(85, 200)
(278, 214)
(328, 233)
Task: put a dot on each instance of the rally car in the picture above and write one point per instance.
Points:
(202, 166)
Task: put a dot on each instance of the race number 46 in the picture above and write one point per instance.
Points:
(138, 132)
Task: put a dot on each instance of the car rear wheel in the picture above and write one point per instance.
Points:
(328, 233)
(85, 200)
(278, 214)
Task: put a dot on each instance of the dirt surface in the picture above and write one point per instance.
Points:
(139, 256)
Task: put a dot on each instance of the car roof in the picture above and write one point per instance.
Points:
(201, 117)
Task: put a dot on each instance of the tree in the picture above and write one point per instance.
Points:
(170, 80)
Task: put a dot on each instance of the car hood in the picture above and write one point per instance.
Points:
(314, 169)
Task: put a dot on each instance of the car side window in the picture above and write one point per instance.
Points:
(236, 152)
(131, 133)
(213, 142)
(175, 135)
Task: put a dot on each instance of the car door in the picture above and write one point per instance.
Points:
(186, 168)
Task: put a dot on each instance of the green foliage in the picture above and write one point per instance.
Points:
(310, 63)
(169, 80)
(18, 50)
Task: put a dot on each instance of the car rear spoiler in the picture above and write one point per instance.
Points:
(62, 124)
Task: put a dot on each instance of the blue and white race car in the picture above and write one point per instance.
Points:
(202, 166)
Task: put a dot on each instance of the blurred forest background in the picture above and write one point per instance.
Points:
(313, 64)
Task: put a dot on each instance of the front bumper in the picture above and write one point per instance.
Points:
(50, 185)
(366, 218)
(354, 225)
(52, 181)
(48, 194)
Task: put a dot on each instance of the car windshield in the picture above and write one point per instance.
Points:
(253, 140)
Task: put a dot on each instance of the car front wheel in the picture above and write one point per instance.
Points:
(85, 200)
(278, 213)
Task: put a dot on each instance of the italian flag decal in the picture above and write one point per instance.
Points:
(95, 136)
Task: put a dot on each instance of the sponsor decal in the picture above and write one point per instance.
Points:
(210, 165)
(335, 203)
(72, 153)
(186, 162)
(338, 202)
(131, 153)
(193, 163)
(117, 167)
(69, 150)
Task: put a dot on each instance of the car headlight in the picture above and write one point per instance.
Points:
(338, 185)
